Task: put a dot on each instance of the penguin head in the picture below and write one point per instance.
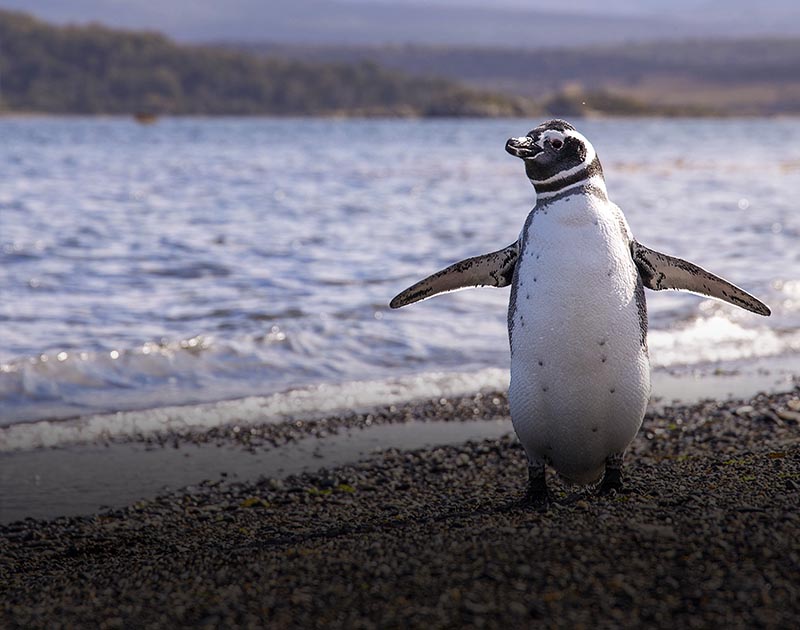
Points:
(555, 151)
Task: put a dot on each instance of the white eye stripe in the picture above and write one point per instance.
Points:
(550, 134)
(590, 154)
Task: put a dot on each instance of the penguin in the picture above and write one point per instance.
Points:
(577, 314)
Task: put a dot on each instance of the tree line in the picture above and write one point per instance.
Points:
(97, 70)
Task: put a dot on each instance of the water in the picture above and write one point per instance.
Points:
(201, 260)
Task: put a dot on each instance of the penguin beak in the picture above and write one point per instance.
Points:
(522, 147)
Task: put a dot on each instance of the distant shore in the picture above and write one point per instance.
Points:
(707, 531)
(405, 115)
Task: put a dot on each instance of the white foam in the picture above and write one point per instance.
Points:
(717, 339)
(306, 403)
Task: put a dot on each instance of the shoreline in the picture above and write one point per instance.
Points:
(670, 386)
(707, 530)
(111, 472)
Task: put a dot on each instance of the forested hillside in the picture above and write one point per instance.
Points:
(731, 76)
(94, 70)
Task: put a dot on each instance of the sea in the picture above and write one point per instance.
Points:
(199, 271)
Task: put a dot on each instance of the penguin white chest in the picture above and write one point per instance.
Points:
(580, 375)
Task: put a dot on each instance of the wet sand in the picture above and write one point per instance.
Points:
(706, 532)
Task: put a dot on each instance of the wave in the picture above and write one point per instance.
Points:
(68, 384)
(302, 403)
(718, 339)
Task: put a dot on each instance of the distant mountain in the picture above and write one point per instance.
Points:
(507, 23)
(92, 70)
(733, 76)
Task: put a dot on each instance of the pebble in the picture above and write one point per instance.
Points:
(791, 416)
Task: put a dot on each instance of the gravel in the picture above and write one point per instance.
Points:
(706, 532)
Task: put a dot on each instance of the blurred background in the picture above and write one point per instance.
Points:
(376, 56)
(202, 201)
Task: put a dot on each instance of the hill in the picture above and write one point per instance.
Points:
(97, 70)
(730, 76)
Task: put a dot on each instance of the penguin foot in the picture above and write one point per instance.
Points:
(535, 501)
(538, 501)
(536, 495)
(612, 482)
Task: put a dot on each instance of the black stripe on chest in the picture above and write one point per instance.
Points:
(584, 174)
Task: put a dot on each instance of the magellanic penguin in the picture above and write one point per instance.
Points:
(577, 319)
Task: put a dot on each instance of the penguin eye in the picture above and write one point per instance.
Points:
(556, 143)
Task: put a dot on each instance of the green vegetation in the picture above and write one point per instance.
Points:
(97, 70)
(726, 76)
(574, 101)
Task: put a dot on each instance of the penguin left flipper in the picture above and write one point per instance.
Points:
(495, 269)
(660, 271)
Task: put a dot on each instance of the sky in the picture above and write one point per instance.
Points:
(508, 23)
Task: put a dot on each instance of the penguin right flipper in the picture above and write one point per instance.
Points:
(660, 271)
(495, 269)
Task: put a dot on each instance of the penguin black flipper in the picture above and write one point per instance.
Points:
(660, 271)
(495, 270)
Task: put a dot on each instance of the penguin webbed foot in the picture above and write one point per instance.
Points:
(612, 479)
(538, 501)
(611, 483)
(537, 496)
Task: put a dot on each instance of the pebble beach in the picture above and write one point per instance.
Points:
(704, 533)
